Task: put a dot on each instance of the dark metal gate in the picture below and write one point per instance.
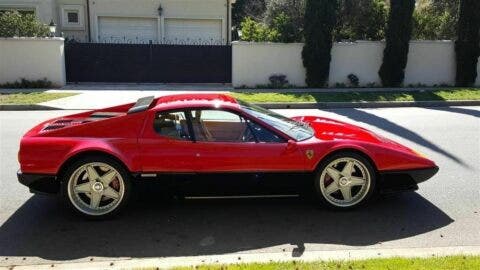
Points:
(156, 63)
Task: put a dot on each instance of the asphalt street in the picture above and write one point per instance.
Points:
(444, 212)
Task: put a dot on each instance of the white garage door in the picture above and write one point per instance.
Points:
(193, 31)
(130, 30)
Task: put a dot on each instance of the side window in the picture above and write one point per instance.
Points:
(172, 124)
(220, 126)
(263, 135)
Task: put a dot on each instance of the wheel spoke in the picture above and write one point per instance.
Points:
(335, 174)
(111, 193)
(92, 173)
(95, 198)
(108, 177)
(331, 188)
(357, 181)
(83, 188)
(346, 193)
(348, 169)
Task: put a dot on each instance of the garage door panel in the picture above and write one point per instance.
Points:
(132, 30)
(193, 30)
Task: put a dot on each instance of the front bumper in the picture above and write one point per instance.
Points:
(405, 180)
(39, 183)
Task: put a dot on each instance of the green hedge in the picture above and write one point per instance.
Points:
(467, 45)
(320, 20)
(399, 31)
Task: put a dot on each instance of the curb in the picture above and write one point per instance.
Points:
(379, 104)
(291, 105)
(308, 256)
(26, 107)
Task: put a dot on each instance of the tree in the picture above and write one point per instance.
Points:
(361, 20)
(287, 18)
(320, 19)
(242, 9)
(398, 34)
(436, 19)
(14, 24)
(467, 46)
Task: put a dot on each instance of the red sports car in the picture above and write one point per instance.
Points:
(211, 144)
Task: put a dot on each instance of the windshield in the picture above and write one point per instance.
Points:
(297, 130)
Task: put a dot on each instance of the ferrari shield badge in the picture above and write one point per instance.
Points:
(309, 154)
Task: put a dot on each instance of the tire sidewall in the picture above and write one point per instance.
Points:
(368, 164)
(65, 178)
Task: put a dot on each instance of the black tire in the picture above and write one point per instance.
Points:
(366, 194)
(66, 177)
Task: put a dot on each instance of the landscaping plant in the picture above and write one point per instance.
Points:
(14, 24)
(320, 19)
(399, 31)
(467, 45)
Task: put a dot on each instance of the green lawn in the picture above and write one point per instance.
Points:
(435, 263)
(436, 95)
(31, 98)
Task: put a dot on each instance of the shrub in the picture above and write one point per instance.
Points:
(257, 32)
(320, 19)
(399, 31)
(278, 81)
(24, 83)
(467, 46)
(14, 24)
(354, 81)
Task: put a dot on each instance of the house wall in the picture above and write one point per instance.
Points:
(191, 9)
(78, 33)
(32, 59)
(44, 9)
(430, 63)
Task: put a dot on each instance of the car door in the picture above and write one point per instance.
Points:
(166, 143)
(228, 142)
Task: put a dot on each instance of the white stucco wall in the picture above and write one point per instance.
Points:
(32, 59)
(478, 73)
(254, 63)
(429, 62)
(360, 58)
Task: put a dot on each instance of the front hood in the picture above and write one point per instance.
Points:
(329, 129)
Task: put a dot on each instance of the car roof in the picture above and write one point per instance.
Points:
(195, 100)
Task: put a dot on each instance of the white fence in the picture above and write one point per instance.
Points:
(32, 59)
(429, 63)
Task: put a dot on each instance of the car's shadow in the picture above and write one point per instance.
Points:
(152, 227)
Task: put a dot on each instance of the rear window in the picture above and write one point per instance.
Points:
(172, 124)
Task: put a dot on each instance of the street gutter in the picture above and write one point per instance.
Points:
(291, 105)
(262, 257)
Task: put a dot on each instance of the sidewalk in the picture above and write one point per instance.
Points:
(98, 95)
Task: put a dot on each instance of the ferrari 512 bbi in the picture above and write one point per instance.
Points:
(211, 144)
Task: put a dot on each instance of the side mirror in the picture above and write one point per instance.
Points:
(291, 145)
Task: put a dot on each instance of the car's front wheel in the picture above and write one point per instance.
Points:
(96, 187)
(345, 180)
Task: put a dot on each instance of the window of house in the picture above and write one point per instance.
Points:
(173, 125)
(72, 17)
(22, 11)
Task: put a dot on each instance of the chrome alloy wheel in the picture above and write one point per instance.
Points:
(96, 188)
(345, 182)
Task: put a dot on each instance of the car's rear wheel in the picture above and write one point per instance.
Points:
(345, 180)
(96, 187)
